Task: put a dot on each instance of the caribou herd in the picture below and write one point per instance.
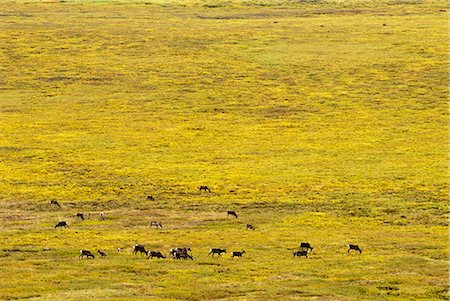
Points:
(184, 253)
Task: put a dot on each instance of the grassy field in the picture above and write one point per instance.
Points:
(319, 121)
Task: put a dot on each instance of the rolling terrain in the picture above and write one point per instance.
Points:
(316, 121)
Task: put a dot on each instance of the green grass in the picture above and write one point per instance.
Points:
(319, 121)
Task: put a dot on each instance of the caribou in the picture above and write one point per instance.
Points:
(102, 254)
(217, 251)
(354, 247)
(181, 253)
(156, 224)
(204, 187)
(237, 254)
(232, 213)
(156, 254)
(139, 248)
(249, 226)
(86, 253)
(300, 253)
(183, 256)
(62, 224)
(55, 203)
(306, 246)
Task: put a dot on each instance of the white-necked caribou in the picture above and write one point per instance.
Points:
(139, 249)
(156, 224)
(181, 253)
(86, 253)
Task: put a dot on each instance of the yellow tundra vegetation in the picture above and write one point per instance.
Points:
(316, 121)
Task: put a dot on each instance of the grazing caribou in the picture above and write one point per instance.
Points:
(354, 247)
(80, 216)
(53, 202)
(139, 248)
(301, 253)
(102, 216)
(181, 253)
(183, 256)
(156, 254)
(249, 226)
(306, 246)
(180, 250)
(150, 198)
(156, 224)
(62, 224)
(86, 253)
(217, 251)
(237, 254)
(102, 254)
(204, 187)
(232, 213)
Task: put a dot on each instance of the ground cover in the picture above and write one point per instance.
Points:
(319, 121)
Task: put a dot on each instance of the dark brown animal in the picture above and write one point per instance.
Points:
(86, 253)
(237, 254)
(300, 253)
(217, 251)
(62, 224)
(150, 198)
(139, 248)
(80, 216)
(354, 247)
(232, 213)
(156, 254)
(102, 254)
(306, 246)
(204, 187)
(249, 226)
(53, 202)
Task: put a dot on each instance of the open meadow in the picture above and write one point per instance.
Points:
(316, 121)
